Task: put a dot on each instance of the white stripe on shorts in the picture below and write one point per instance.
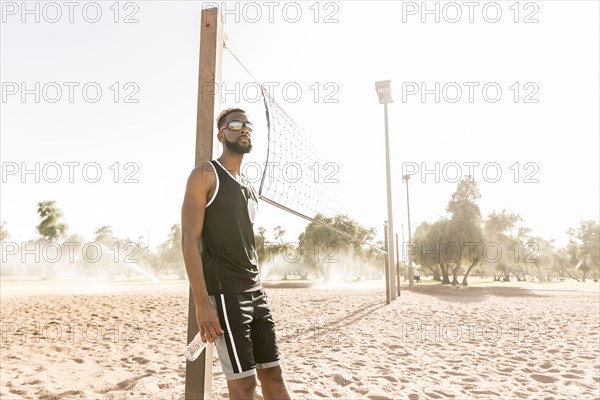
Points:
(237, 360)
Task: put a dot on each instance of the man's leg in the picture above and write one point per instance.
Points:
(235, 346)
(242, 389)
(266, 353)
(272, 383)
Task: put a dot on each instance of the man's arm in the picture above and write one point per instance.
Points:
(201, 183)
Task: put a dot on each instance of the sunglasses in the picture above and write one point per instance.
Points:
(238, 126)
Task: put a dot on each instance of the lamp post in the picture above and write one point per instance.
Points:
(406, 178)
(384, 91)
(388, 292)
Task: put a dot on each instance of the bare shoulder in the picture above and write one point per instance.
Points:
(203, 176)
(200, 186)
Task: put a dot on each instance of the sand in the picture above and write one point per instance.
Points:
(342, 342)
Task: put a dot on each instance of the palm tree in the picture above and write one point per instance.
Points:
(50, 229)
(3, 232)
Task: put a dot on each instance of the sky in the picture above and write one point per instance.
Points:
(99, 101)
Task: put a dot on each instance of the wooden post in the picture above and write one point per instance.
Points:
(403, 255)
(198, 374)
(411, 272)
(388, 286)
(398, 265)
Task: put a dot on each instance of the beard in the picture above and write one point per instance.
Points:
(238, 148)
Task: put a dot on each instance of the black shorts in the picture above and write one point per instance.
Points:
(248, 341)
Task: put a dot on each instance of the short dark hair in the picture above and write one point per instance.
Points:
(223, 114)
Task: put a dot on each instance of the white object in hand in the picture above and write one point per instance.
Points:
(195, 347)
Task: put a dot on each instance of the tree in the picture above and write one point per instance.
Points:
(436, 240)
(373, 261)
(3, 232)
(278, 232)
(312, 239)
(5, 267)
(499, 233)
(170, 254)
(419, 249)
(586, 248)
(538, 255)
(464, 228)
(50, 228)
(262, 252)
(321, 246)
(105, 238)
(104, 235)
(280, 247)
(353, 251)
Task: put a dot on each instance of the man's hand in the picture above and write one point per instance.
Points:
(208, 321)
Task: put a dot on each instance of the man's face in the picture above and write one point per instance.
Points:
(240, 141)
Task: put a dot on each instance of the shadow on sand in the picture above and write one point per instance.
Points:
(289, 284)
(462, 294)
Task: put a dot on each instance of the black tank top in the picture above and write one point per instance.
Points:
(228, 249)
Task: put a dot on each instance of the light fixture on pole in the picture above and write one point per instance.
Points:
(406, 178)
(384, 91)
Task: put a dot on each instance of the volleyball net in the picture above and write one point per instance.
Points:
(296, 176)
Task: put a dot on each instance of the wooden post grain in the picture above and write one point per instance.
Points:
(198, 374)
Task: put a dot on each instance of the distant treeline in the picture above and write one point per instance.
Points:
(450, 249)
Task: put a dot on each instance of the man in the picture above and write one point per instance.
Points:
(220, 259)
(417, 275)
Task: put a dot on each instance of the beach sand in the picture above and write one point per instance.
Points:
(343, 342)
